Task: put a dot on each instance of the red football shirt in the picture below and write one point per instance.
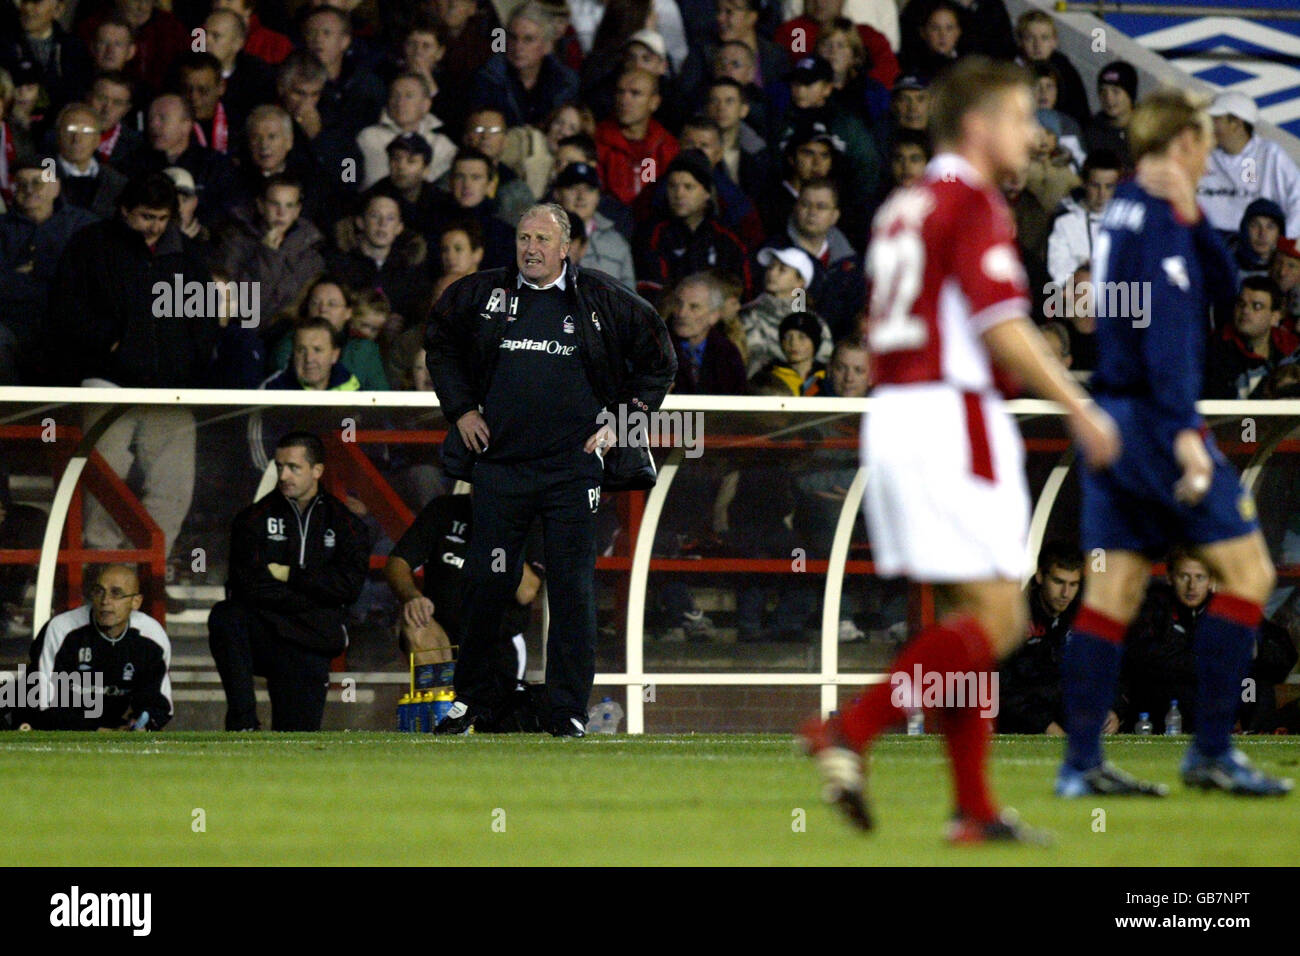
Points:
(943, 268)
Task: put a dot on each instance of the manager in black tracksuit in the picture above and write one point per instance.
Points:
(298, 560)
(525, 360)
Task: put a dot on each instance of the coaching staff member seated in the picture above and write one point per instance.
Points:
(298, 559)
(104, 664)
(524, 360)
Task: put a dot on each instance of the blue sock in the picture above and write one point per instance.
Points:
(1225, 641)
(1089, 672)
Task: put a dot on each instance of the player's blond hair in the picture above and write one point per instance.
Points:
(972, 83)
(1161, 116)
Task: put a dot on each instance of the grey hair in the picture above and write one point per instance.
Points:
(536, 13)
(708, 281)
(555, 211)
(270, 111)
(302, 64)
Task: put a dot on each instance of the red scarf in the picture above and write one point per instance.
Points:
(220, 130)
(108, 142)
(8, 157)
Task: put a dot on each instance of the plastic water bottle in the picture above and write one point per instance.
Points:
(1173, 720)
(1143, 727)
(915, 722)
(604, 718)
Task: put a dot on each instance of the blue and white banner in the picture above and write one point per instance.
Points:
(1258, 57)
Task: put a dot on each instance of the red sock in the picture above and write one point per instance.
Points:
(955, 644)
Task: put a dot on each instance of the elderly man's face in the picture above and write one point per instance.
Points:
(694, 316)
(539, 250)
(526, 45)
(115, 595)
(269, 144)
(314, 357)
(79, 136)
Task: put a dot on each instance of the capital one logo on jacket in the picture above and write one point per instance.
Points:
(549, 346)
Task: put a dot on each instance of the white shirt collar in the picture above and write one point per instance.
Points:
(952, 163)
(92, 169)
(559, 282)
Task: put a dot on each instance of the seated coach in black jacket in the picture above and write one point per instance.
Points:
(531, 364)
(298, 559)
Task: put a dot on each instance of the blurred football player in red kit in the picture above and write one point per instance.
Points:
(949, 302)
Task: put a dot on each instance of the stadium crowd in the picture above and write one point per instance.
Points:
(723, 158)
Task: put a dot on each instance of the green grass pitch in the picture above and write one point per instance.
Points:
(361, 799)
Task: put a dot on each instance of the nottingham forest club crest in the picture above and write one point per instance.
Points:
(568, 324)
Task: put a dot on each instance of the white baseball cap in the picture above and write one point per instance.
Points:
(794, 257)
(1235, 104)
(651, 40)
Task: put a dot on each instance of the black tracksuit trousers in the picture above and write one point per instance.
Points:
(296, 679)
(564, 489)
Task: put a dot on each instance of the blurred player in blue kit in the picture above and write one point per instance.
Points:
(1158, 266)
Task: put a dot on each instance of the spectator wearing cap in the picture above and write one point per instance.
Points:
(1051, 165)
(1117, 86)
(581, 148)
(811, 153)
(422, 201)
(632, 141)
(692, 238)
(577, 189)
(527, 81)
(1244, 167)
(1253, 247)
(1286, 273)
(485, 131)
(86, 182)
(644, 50)
(744, 151)
(909, 108)
(377, 251)
(735, 209)
(811, 85)
(1243, 354)
(409, 102)
(1038, 44)
(708, 363)
(1076, 230)
(58, 59)
(33, 234)
(353, 95)
(797, 370)
(111, 96)
(819, 15)
(249, 81)
(269, 242)
(171, 143)
(187, 207)
(789, 273)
